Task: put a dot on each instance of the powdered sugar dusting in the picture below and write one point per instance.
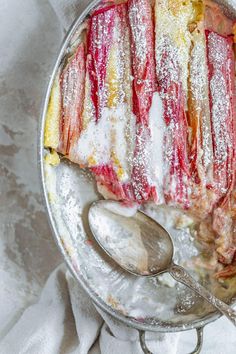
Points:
(198, 82)
(220, 66)
(138, 28)
(173, 23)
(219, 93)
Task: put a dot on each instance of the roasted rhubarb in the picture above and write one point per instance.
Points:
(72, 87)
(216, 20)
(224, 225)
(200, 138)
(221, 70)
(100, 40)
(109, 83)
(199, 123)
(64, 115)
(172, 48)
(144, 86)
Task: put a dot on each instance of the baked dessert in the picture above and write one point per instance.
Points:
(146, 100)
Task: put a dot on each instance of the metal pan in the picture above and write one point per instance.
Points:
(156, 305)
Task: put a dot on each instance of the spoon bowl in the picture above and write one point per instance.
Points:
(136, 242)
(142, 247)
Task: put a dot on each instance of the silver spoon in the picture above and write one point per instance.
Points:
(143, 247)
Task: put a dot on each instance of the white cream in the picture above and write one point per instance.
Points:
(122, 131)
(120, 208)
(157, 128)
(112, 137)
(94, 143)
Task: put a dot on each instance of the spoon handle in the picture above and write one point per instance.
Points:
(181, 275)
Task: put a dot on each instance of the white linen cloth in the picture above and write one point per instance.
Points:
(62, 320)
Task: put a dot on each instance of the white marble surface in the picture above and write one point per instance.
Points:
(30, 37)
(29, 40)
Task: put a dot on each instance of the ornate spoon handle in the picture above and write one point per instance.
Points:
(181, 275)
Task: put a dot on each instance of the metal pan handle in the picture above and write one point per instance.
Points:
(197, 349)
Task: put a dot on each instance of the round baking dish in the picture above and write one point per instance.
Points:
(140, 303)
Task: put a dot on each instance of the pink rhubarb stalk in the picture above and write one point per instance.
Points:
(144, 85)
(108, 66)
(221, 70)
(100, 39)
(176, 179)
(72, 87)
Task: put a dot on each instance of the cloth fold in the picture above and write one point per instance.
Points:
(65, 320)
